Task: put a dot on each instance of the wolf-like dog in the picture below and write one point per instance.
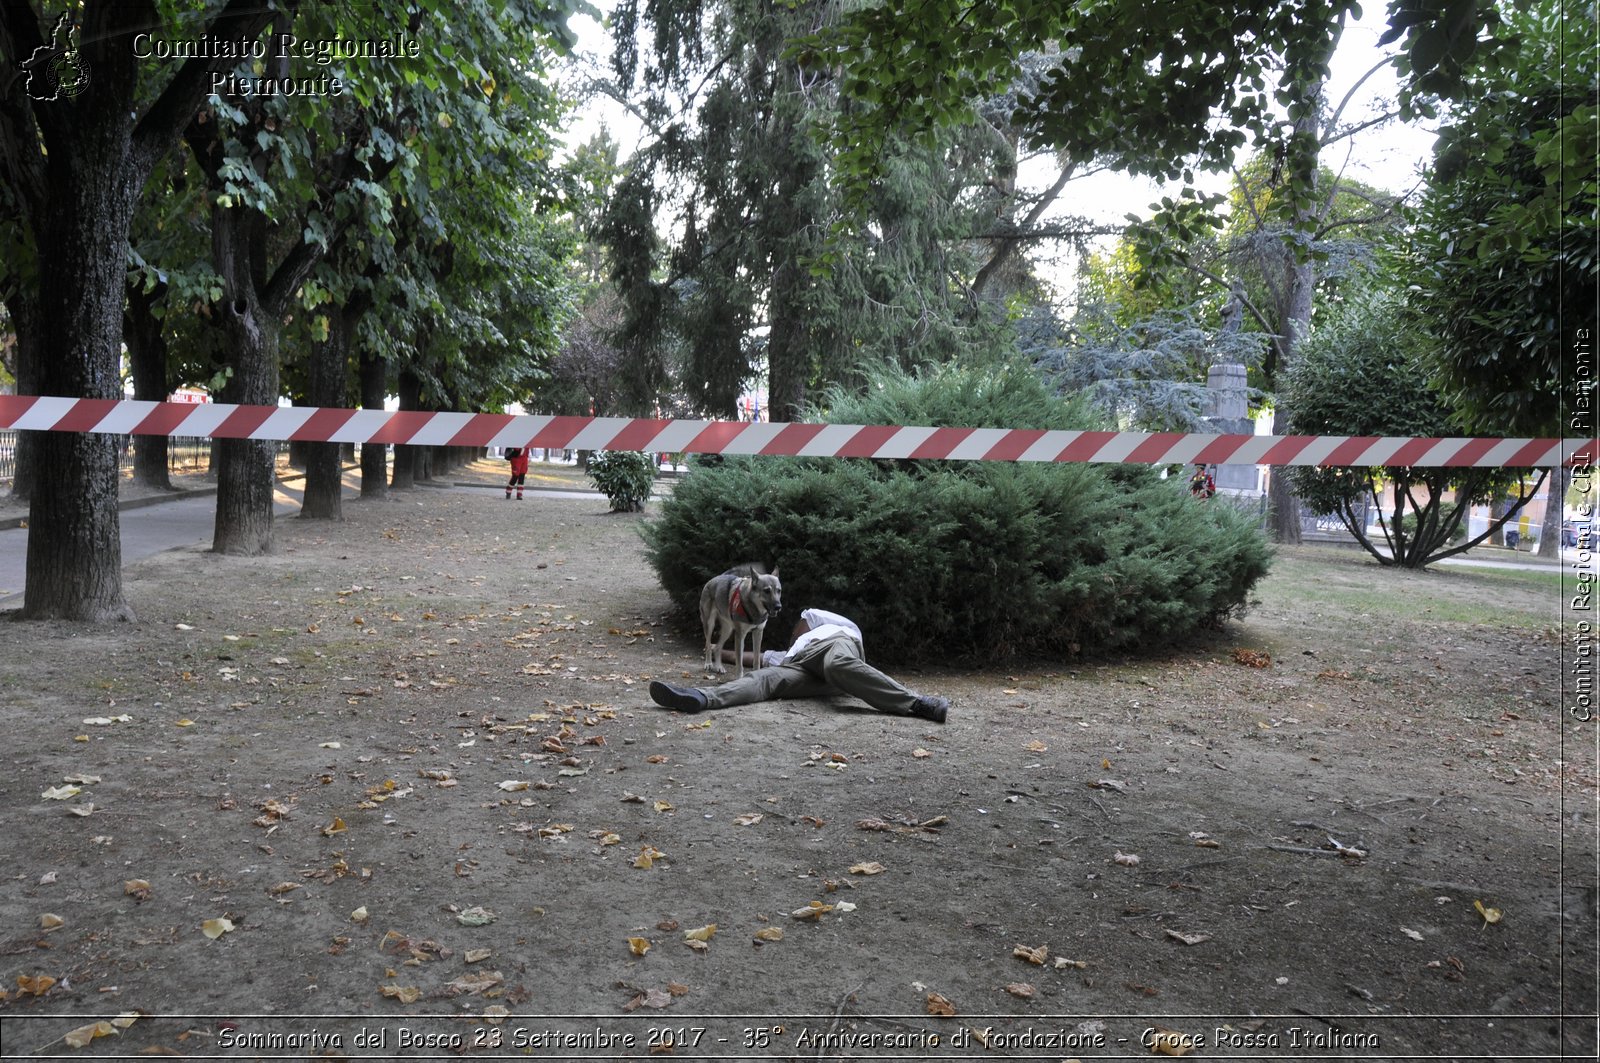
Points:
(739, 601)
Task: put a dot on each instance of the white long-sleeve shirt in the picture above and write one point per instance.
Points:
(823, 625)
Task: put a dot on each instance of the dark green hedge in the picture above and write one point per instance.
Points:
(964, 560)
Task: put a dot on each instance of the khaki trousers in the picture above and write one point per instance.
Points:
(831, 665)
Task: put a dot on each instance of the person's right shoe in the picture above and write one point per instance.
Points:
(931, 707)
(680, 699)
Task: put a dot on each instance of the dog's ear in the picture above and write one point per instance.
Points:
(774, 571)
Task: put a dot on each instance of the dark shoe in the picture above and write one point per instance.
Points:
(931, 707)
(681, 699)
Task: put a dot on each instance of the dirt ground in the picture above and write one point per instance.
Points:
(406, 771)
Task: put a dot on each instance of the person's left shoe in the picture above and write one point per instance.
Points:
(680, 699)
(931, 707)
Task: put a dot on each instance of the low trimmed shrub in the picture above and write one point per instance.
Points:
(624, 476)
(972, 560)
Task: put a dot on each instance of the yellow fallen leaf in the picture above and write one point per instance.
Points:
(84, 1034)
(283, 887)
(86, 809)
(329, 745)
(1038, 955)
(185, 722)
(704, 933)
(940, 1005)
(638, 946)
(336, 827)
(37, 985)
(1171, 1042)
(610, 839)
(137, 888)
(1490, 915)
(647, 857)
(359, 915)
(920, 753)
(49, 921)
(814, 910)
(215, 928)
(125, 1020)
(749, 819)
(513, 785)
(405, 994)
(1036, 746)
(61, 793)
(663, 806)
(477, 955)
(870, 867)
(769, 933)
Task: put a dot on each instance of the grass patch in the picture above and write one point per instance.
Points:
(1357, 587)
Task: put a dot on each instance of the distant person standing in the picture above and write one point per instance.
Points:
(518, 457)
(1203, 484)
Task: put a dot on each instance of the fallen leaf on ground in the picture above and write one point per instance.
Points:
(1126, 859)
(1020, 989)
(647, 857)
(84, 1034)
(1038, 955)
(405, 994)
(1036, 746)
(1252, 659)
(49, 921)
(704, 933)
(36, 985)
(749, 819)
(769, 933)
(1188, 938)
(477, 915)
(663, 806)
(1490, 915)
(870, 867)
(513, 785)
(137, 888)
(1412, 934)
(359, 915)
(476, 955)
(1171, 1042)
(814, 910)
(940, 1005)
(920, 753)
(336, 827)
(61, 793)
(215, 928)
(638, 946)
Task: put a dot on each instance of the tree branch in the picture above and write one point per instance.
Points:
(172, 111)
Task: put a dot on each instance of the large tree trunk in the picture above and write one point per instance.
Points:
(246, 473)
(74, 566)
(147, 358)
(374, 456)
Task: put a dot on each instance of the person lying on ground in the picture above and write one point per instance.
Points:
(824, 658)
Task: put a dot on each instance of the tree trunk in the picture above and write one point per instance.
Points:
(374, 456)
(246, 473)
(1555, 508)
(147, 359)
(23, 306)
(324, 494)
(74, 565)
(405, 456)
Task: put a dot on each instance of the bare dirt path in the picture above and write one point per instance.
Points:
(409, 760)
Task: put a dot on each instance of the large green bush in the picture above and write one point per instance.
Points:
(972, 560)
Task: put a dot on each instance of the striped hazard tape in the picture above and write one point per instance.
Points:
(315, 424)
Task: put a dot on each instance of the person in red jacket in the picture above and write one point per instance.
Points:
(518, 457)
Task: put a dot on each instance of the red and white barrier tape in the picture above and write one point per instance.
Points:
(313, 424)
